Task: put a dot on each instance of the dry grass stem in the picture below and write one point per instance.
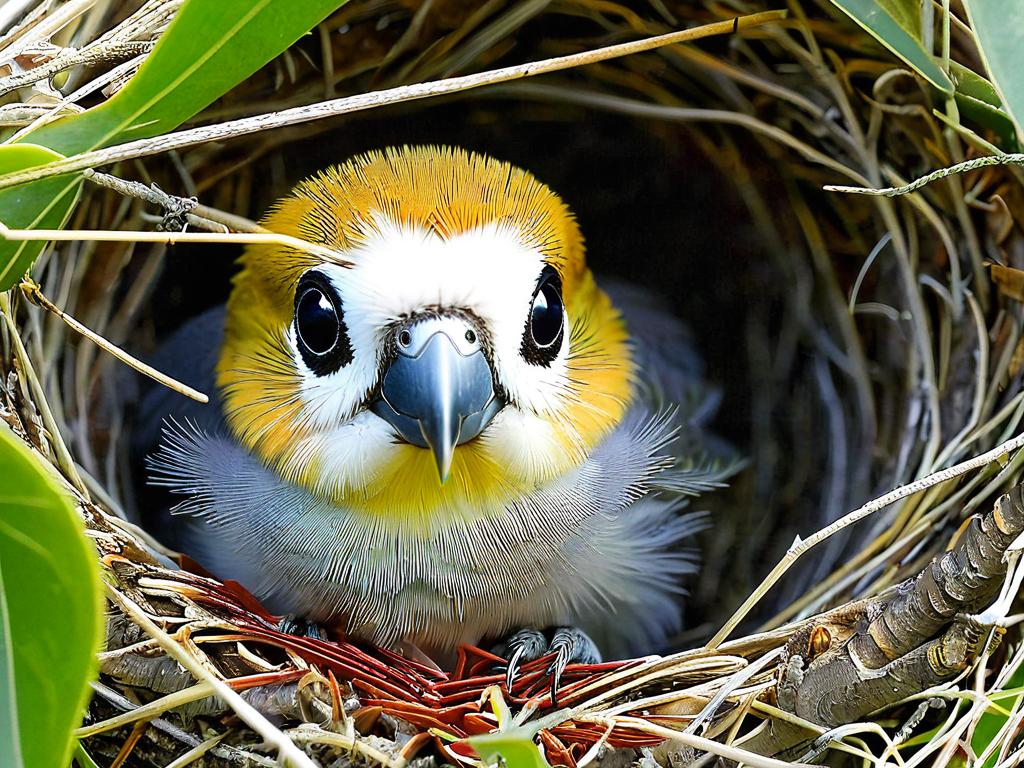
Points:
(374, 99)
(33, 293)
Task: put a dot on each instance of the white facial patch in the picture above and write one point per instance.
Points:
(402, 269)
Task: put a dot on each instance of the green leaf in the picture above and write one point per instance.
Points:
(517, 750)
(979, 102)
(896, 24)
(970, 83)
(211, 46)
(990, 723)
(1000, 36)
(51, 612)
(43, 204)
(83, 758)
(515, 744)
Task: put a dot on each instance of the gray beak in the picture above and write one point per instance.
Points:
(439, 390)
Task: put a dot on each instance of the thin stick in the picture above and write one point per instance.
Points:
(149, 710)
(801, 546)
(198, 215)
(964, 167)
(60, 448)
(317, 735)
(690, 740)
(170, 238)
(35, 295)
(197, 752)
(363, 101)
(287, 751)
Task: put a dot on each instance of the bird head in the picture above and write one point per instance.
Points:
(457, 351)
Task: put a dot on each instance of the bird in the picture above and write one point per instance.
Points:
(436, 427)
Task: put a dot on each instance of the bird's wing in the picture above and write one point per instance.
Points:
(190, 356)
(672, 378)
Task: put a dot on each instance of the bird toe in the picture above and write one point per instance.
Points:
(567, 645)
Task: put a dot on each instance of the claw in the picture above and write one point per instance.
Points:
(563, 645)
(554, 671)
(569, 645)
(524, 646)
(513, 668)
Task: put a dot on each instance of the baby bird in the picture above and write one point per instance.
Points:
(444, 432)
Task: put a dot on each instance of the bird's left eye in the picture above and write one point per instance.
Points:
(542, 338)
(320, 326)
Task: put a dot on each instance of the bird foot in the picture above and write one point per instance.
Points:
(568, 644)
(299, 627)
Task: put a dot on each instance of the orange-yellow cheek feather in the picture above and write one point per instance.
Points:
(449, 192)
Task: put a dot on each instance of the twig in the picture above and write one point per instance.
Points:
(316, 735)
(178, 211)
(69, 58)
(170, 238)
(48, 25)
(149, 710)
(60, 448)
(197, 752)
(229, 753)
(696, 742)
(287, 751)
(964, 167)
(359, 102)
(801, 546)
(202, 216)
(35, 295)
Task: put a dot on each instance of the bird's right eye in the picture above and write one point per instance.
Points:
(320, 326)
(316, 320)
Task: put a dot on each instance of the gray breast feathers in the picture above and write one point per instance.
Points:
(598, 548)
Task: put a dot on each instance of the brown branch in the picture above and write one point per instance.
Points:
(871, 654)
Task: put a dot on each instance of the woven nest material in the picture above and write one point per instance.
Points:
(860, 344)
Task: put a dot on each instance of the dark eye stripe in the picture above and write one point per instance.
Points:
(545, 324)
(320, 329)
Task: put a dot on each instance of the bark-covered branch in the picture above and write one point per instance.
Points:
(865, 656)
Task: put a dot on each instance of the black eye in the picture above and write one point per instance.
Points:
(546, 322)
(319, 325)
(316, 320)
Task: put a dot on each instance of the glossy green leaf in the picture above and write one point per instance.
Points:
(51, 612)
(999, 30)
(515, 744)
(987, 116)
(517, 750)
(44, 204)
(896, 24)
(211, 46)
(970, 83)
(83, 759)
(979, 102)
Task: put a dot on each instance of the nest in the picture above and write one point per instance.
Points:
(861, 344)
